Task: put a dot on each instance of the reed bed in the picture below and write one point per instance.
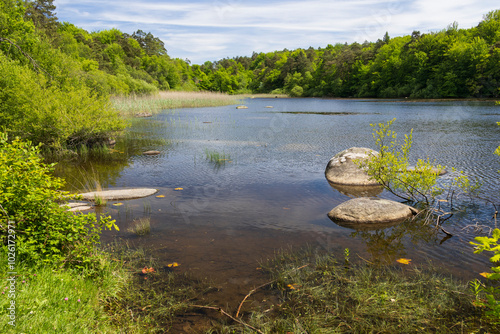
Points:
(150, 104)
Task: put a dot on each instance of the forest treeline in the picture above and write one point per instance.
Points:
(56, 77)
(452, 63)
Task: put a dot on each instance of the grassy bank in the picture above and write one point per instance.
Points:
(51, 300)
(132, 105)
(131, 293)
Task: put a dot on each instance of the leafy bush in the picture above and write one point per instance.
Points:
(491, 292)
(29, 196)
(37, 111)
(419, 183)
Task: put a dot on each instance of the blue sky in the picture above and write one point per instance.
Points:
(215, 29)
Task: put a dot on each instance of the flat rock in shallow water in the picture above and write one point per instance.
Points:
(76, 207)
(370, 210)
(119, 194)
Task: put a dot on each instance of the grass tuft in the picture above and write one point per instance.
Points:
(217, 158)
(141, 227)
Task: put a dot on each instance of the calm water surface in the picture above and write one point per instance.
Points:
(270, 192)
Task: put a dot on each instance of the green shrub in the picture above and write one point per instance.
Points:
(419, 184)
(36, 110)
(490, 291)
(29, 196)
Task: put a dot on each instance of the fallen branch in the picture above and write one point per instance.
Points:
(257, 288)
(248, 295)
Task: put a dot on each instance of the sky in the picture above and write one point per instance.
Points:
(211, 30)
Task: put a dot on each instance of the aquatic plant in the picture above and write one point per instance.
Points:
(141, 227)
(219, 159)
(319, 294)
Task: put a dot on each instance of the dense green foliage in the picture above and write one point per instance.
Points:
(44, 93)
(33, 225)
(452, 63)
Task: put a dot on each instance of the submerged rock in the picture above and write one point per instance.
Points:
(342, 169)
(151, 152)
(119, 194)
(370, 213)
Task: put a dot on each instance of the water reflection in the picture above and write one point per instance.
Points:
(357, 191)
(274, 188)
(386, 245)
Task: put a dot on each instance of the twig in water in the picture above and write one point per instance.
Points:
(248, 295)
(229, 316)
(257, 288)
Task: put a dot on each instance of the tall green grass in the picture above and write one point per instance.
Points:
(131, 105)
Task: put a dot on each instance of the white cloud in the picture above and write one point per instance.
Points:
(227, 28)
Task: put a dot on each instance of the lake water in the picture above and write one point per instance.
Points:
(270, 193)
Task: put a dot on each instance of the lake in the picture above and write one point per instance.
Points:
(264, 188)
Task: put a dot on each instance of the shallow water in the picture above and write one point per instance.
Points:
(270, 192)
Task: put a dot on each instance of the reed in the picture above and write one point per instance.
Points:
(217, 158)
(141, 227)
(134, 104)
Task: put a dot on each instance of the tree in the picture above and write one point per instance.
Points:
(41, 12)
(151, 44)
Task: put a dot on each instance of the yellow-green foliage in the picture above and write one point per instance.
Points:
(44, 231)
(34, 109)
(491, 292)
(391, 167)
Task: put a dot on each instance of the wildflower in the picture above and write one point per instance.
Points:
(66, 298)
(78, 300)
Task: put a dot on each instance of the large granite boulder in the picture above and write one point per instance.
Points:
(342, 169)
(370, 213)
